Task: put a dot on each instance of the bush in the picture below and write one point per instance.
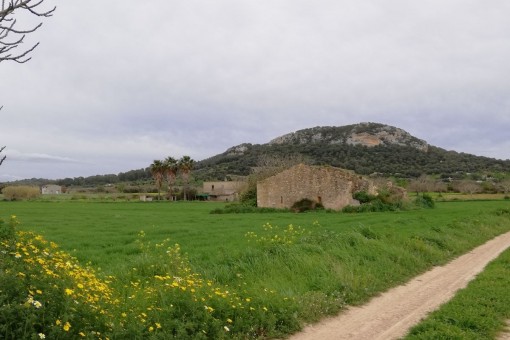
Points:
(249, 197)
(425, 201)
(306, 204)
(132, 190)
(241, 208)
(14, 193)
(363, 197)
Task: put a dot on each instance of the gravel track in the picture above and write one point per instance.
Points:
(391, 314)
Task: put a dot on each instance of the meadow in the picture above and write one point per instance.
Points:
(175, 270)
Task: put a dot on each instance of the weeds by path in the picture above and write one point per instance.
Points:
(477, 312)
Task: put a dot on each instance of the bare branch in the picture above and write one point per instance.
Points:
(2, 149)
(9, 48)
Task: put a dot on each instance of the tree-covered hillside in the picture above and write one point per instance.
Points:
(365, 148)
(389, 160)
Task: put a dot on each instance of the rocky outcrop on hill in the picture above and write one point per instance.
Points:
(365, 148)
(366, 134)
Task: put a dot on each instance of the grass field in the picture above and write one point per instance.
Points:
(277, 270)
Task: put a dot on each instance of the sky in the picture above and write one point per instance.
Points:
(115, 84)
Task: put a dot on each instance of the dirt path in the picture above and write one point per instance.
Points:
(505, 335)
(391, 314)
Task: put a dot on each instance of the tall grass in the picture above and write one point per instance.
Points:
(20, 192)
(191, 274)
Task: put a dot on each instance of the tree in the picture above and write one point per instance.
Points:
(157, 171)
(186, 164)
(11, 37)
(2, 159)
(504, 185)
(467, 187)
(171, 167)
(421, 184)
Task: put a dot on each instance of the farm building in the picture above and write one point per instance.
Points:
(51, 189)
(223, 191)
(332, 187)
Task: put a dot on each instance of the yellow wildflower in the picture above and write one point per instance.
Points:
(67, 326)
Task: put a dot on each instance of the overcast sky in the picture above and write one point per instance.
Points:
(116, 84)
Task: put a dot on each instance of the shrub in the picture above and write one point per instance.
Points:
(249, 197)
(306, 204)
(376, 205)
(241, 208)
(132, 190)
(425, 201)
(13, 193)
(363, 197)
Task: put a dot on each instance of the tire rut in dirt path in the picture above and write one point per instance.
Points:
(391, 314)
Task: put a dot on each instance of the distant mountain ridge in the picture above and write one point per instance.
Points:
(366, 148)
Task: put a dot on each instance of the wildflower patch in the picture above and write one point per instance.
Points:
(46, 293)
(274, 235)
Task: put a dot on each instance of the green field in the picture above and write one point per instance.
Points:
(286, 268)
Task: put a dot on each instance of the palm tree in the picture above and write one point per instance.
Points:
(157, 171)
(171, 167)
(185, 166)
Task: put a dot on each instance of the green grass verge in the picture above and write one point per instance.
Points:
(477, 312)
(257, 275)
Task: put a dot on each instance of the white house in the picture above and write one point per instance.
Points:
(51, 189)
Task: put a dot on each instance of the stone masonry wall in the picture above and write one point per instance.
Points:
(333, 187)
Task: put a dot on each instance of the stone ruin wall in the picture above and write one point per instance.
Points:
(330, 186)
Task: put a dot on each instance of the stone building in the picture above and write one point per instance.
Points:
(332, 187)
(226, 191)
(51, 189)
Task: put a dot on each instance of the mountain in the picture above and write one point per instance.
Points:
(366, 148)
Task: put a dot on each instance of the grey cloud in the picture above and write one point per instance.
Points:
(17, 156)
(172, 77)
